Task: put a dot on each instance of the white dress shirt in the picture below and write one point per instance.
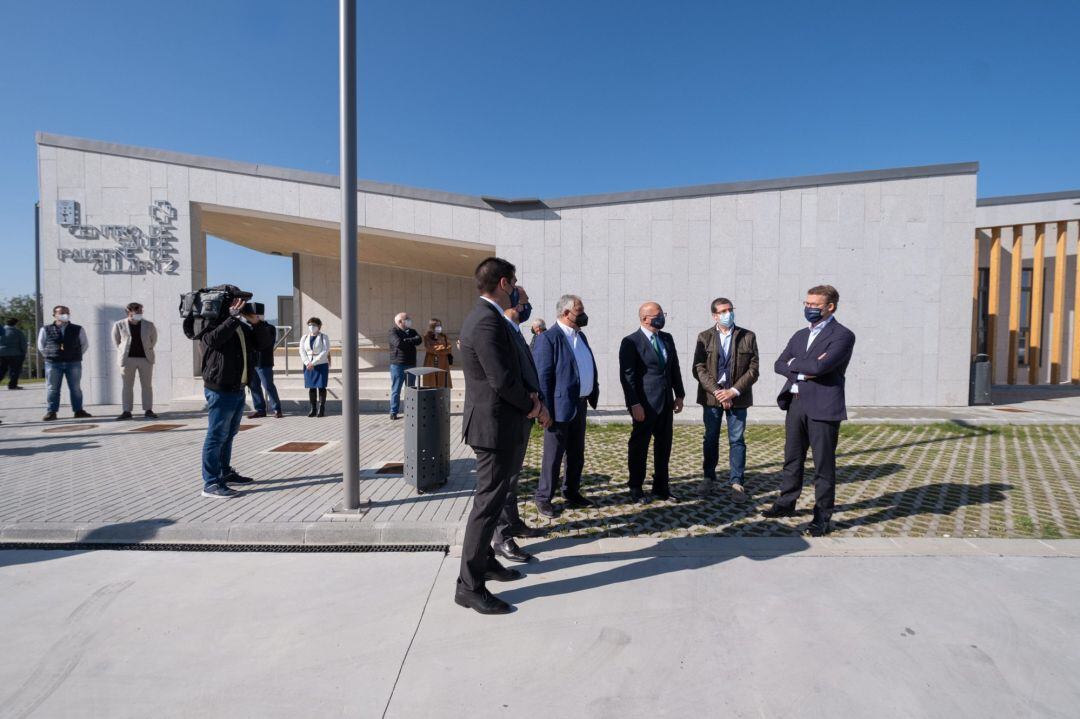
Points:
(649, 335)
(815, 330)
(582, 356)
(502, 312)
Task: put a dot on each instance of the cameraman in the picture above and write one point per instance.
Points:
(228, 361)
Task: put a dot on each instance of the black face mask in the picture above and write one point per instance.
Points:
(525, 312)
(581, 320)
(657, 322)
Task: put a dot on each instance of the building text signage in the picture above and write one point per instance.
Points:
(134, 253)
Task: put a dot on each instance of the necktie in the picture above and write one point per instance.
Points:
(659, 354)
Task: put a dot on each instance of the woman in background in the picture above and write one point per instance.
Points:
(437, 354)
(315, 355)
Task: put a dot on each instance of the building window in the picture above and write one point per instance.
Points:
(1025, 316)
(982, 312)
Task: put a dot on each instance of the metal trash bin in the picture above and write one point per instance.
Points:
(427, 431)
(981, 381)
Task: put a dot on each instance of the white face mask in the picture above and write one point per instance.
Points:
(64, 318)
(312, 328)
(438, 329)
(136, 318)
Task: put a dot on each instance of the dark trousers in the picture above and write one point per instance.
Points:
(655, 427)
(563, 440)
(494, 470)
(264, 377)
(510, 517)
(802, 433)
(11, 367)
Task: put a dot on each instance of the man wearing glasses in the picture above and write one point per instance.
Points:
(814, 364)
(653, 389)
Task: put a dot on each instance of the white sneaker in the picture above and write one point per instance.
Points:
(739, 492)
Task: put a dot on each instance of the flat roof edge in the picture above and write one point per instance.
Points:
(1022, 199)
(491, 203)
(783, 183)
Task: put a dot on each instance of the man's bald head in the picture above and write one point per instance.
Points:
(647, 312)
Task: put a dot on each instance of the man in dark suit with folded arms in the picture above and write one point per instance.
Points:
(569, 383)
(498, 407)
(653, 389)
(814, 364)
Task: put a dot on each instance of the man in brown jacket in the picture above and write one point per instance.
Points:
(726, 368)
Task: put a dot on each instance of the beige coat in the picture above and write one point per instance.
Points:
(121, 334)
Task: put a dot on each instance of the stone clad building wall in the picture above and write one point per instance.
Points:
(896, 243)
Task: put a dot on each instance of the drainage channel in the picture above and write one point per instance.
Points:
(281, 548)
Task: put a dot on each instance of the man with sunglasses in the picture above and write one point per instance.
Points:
(653, 390)
(814, 366)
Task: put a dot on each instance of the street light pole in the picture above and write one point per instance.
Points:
(350, 400)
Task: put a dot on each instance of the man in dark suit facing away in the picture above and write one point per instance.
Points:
(653, 389)
(814, 364)
(498, 407)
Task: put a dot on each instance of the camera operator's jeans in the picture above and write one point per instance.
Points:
(55, 373)
(397, 379)
(736, 428)
(264, 377)
(226, 409)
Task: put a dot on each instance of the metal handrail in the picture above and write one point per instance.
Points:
(284, 336)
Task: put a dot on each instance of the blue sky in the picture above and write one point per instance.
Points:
(544, 99)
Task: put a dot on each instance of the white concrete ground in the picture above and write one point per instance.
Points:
(634, 632)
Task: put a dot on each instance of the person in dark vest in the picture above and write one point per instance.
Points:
(265, 335)
(403, 341)
(726, 368)
(63, 345)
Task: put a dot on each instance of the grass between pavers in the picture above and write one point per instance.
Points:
(932, 480)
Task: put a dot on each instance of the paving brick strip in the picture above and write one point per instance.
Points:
(101, 482)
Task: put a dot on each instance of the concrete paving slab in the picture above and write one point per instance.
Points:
(183, 634)
(615, 636)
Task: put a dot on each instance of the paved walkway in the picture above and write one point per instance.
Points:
(104, 481)
(613, 628)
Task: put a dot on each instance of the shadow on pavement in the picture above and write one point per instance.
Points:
(118, 534)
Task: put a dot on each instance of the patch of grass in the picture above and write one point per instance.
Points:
(1024, 524)
(1051, 531)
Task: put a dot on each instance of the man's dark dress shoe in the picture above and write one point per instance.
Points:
(483, 601)
(638, 497)
(546, 509)
(577, 500)
(82, 414)
(773, 512)
(819, 529)
(510, 551)
(667, 496)
(525, 531)
(498, 573)
(256, 415)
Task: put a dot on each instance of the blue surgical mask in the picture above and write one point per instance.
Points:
(727, 319)
(812, 314)
(525, 312)
(514, 297)
(657, 322)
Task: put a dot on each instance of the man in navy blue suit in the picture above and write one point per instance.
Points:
(653, 389)
(568, 384)
(813, 364)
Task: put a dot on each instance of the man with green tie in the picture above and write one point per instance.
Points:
(653, 389)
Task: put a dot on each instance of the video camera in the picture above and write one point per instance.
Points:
(207, 307)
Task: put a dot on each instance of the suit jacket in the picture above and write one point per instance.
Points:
(560, 382)
(823, 396)
(121, 335)
(643, 381)
(744, 371)
(496, 396)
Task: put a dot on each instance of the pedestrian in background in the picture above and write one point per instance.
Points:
(13, 347)
(403, 343)
(63, 345)
(265, 335)
(537, 328)
(437, 349)
(134, 338)
(315, 356)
